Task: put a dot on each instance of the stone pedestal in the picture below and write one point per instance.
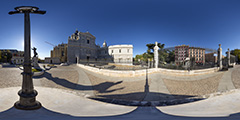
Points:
(152, 63)
(156, 54)
(220, 57)
(35, 63)
(228, 56)
(149, 63)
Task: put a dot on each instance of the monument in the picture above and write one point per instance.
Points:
(149, 63)
(27, 93)
(35, 59)
(228, 56)
(220, 57)
(156, 54)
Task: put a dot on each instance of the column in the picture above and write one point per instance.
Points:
(220, 57)
(228, 55)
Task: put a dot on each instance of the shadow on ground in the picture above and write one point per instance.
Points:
(132, 99)
(100, 88)
(140, 113)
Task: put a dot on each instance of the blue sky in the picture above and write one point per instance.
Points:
(201, 23)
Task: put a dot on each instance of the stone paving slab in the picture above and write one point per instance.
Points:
(226, 81)
(236, 76)
(127, 90)
(65, 102)
(10, 77)
(222, 105)
(87, 83)
(83, 80)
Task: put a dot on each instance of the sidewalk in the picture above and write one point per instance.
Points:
(61, 104)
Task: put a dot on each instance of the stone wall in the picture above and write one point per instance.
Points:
(134, 73)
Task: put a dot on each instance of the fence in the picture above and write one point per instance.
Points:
(138, 65)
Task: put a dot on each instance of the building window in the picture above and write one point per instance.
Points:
(112, 51)
(119, 50)
(128, 50)
(87, 41)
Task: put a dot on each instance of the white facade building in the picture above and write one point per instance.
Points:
(122, 54)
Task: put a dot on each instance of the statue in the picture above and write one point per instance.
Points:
(35, 59)
(156, 54)
(34, 51)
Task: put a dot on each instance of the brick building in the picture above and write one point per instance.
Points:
(196, 54)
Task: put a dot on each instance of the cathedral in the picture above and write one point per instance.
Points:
(81, 48)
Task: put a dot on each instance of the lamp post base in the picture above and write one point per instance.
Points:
(21, 107)
(27, 101)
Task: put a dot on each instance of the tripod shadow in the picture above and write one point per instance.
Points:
(135, 98)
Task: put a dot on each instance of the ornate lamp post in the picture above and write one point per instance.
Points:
(27, 93)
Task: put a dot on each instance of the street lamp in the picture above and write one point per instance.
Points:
(27, 93)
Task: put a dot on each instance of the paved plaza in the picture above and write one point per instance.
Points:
(64, 92)
(161, 86)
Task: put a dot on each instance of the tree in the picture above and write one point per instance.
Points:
(6, 56)
(171, 56)
(163, 54)
(151, 50)
(151, 47)
(142, 57)
(236, 52)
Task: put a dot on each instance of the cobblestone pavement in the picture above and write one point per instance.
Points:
(198, 87)
(61, 77)
(118, 90)
(67, 77)
(236, 77)
(10, 77)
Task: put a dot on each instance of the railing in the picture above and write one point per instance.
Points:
(138, 65)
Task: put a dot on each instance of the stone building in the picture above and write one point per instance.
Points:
(211, 58)
(81, 48)
(183, 52)
(198, 54)
(103, 54)
(60, 52)
(121, 53)
(17, 57)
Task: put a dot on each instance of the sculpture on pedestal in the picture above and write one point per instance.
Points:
(220, 57)
(228, 56)
(35, 59)
(156, 54)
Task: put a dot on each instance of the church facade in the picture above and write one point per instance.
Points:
(81, 47)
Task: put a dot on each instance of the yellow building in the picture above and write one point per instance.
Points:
(59, 52)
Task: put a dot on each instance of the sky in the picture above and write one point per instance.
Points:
(199, 23)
